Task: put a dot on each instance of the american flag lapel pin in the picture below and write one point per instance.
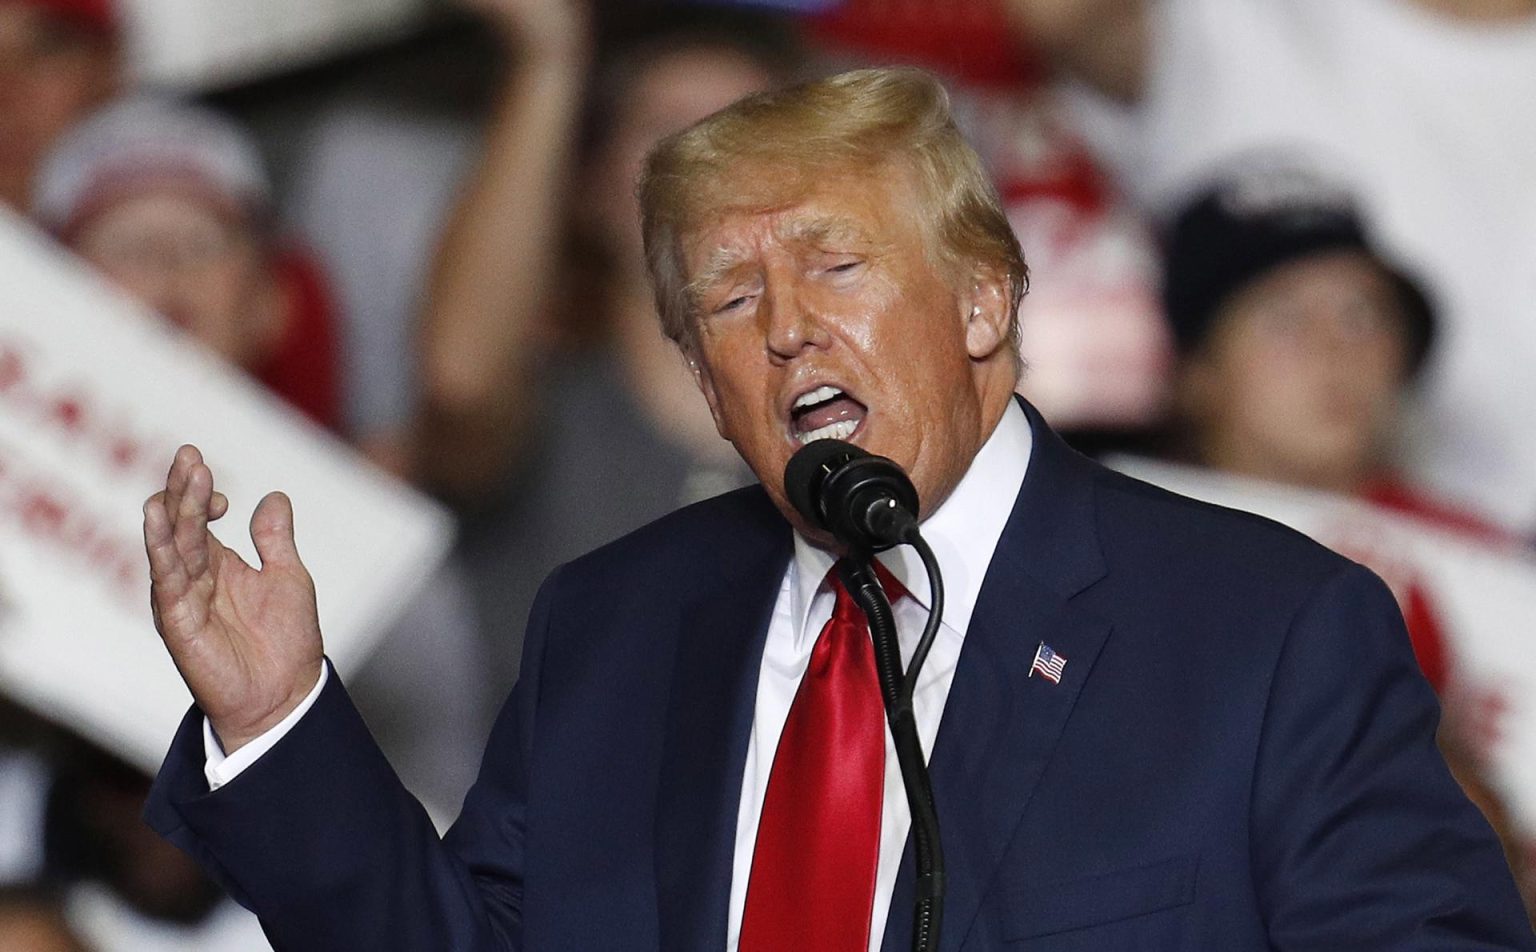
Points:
(1048, 663)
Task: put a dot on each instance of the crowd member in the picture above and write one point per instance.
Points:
(1300, 343)
(549, 452)
(1422, 106)
(172, 204)
(59, 60)
(372, 170)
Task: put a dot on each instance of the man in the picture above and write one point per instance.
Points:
(1208, 763)
(171, 202)
(1298, 339)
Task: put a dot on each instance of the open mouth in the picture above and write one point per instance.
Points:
(825, 413)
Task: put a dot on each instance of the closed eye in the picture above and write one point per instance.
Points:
(733, 304)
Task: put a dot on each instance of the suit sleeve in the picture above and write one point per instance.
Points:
(1360, 838)
(321, 840)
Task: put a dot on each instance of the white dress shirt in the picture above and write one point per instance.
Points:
(963, 534)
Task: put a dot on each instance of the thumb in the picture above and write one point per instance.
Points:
(272, 531)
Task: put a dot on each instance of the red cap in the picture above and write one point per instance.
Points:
(95, 14)
(970, 40)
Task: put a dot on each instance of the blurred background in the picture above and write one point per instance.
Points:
(1291, 241)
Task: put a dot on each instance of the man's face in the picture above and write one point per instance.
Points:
(196, 264)
(1300, 378)
(51, 74)
(824, 314)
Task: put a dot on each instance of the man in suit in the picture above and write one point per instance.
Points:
(1232, 748)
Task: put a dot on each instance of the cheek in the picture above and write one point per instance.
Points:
(139, 284)
(1383, 369)
(733, 384)
(1252, 388)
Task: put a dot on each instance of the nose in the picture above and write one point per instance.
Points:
(792, 323)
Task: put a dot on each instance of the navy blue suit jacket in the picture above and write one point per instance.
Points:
(1240, 756)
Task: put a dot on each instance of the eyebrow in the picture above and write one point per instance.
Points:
(822, 230)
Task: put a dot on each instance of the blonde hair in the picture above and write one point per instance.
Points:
(855, 121)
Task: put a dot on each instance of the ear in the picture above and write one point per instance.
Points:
(706, 385)
(986, 312)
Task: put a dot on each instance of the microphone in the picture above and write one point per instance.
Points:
(865, 501)
(868, 504)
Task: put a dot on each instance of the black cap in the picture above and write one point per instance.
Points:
(1247, 225)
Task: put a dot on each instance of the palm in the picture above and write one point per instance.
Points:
(246, 641)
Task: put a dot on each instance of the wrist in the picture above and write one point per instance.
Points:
(234, 733)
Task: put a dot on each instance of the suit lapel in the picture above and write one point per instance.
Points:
(709, 717)
(1001, 726)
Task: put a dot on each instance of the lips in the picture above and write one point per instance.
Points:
(826, 412)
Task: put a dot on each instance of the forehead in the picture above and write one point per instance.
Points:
(1316, 277)
(166, 205)
(829, 210)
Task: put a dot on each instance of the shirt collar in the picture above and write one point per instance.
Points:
(963, 532)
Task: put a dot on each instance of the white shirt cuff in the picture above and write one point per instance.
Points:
(221, 769)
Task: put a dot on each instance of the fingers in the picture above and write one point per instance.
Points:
(272, 531)
(190, 520)
(173, 518)
(165, 567)
(176, 480)
(218, 506)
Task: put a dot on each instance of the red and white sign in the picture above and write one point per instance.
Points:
(95, 396)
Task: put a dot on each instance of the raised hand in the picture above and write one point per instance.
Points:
(246, 641)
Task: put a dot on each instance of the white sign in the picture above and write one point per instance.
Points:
(95, 396)
(1482, 595)
(197, 44)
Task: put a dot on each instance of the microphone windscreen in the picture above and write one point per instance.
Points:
(807, 470)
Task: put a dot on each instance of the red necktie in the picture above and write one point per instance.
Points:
(812, 886)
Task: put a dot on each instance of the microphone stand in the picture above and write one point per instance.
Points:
(896, 689)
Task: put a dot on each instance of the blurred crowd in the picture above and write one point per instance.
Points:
(1293, 240)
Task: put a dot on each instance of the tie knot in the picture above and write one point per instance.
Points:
(894, 590)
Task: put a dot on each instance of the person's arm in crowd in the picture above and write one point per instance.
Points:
(1102, 42)
(494, 269)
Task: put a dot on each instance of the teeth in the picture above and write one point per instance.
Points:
(819, 395)
(832, 431)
